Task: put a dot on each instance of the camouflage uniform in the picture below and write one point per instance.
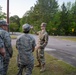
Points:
(1, 60)
(42, 42)
(25, 44)
(5, 42)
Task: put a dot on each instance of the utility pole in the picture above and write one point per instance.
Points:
(8, 11)
(8, 14)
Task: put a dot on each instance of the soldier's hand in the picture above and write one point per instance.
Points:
(37, 47)
(3, 52)
(32, 27)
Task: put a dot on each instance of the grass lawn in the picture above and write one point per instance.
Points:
(13, 37)
(70, 38)
(53, 66)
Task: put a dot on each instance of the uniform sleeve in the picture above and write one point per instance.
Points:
(36, 32)
(7, 43)
(46, 41)
(1, 43)
(17, 43)
(34, 43)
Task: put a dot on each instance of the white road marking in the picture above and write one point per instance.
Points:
(49, 49)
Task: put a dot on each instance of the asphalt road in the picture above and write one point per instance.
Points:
(61, 49)
(64, 50)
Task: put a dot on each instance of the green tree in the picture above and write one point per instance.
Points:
(64, 18)
(15, 19)
(43, 11)
(13, 27)
(2, 14)
(53, 25)
(73, 25)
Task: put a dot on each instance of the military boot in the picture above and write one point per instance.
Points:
(42, 68)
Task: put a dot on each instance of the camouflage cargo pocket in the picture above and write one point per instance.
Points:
(41, 55)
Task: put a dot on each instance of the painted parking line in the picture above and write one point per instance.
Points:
(49, 49)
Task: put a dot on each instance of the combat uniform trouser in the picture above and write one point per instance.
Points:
(41, 59)
(40, 55)
(4, 62)
(1, 65)
(28, 68)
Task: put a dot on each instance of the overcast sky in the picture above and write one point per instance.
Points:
(19, 7)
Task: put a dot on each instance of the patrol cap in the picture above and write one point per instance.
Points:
(3, 23)
(26, 27)
(43, 24)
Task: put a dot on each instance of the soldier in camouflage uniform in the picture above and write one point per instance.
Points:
(42, 42)
(25, 44)
(5, 48)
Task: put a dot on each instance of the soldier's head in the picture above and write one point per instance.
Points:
(26, 28)
(3, 25)
(43, 26)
